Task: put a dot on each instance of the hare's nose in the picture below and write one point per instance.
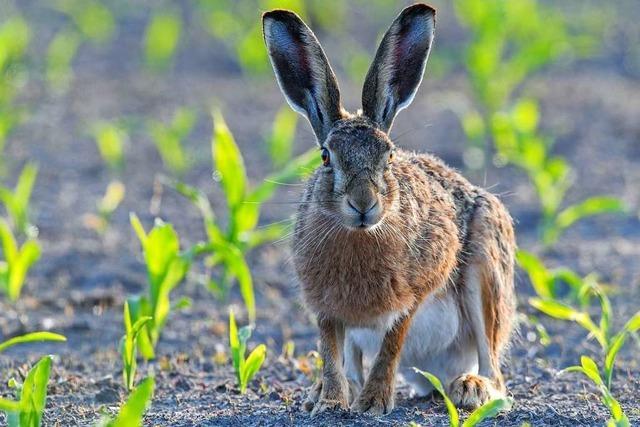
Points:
(362, 207)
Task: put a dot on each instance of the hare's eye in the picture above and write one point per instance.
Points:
(391, 154)
(325, 157)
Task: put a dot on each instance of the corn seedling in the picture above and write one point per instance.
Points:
(16, 201)
(166, 267)
(92, 21)
(91, 18)
(557, 283)
(169, 139)
(236, 25)
(228, 247)
(501, 53)
(17, 261)
(110, 140)
(589, 368)
(489, 410)
(161, 39)
(518, 142)
(280, 141)
(601, 331)
(106, 207)
(27, 410)
(133, 410)
(60, 54)
(129, 346)
(31, 395)
(15, 36)
(245, 368)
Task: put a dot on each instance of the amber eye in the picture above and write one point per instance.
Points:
(391, 154)
(325, 157)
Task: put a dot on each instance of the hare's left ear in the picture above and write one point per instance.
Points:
(397, 70)
(302, 70)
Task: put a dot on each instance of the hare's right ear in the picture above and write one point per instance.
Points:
(302, 70)
(396, 72)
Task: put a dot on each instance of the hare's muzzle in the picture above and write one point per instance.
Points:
(361, 206)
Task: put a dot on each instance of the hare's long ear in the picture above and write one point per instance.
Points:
(396, 72)
(302, 70)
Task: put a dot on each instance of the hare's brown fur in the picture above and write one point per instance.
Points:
(384, 236)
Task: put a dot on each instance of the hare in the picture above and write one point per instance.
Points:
(400, 258)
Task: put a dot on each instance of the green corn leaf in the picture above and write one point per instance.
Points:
(540, 277)
(488, 410)
(110, 140)
(237, 350)
(591, 370)
(60, 53)
(9, 244)
(23, 190)
(562, 311)
(139, 308)
(161, 39)
(574, 368)
(9, 406)
(33, 395)
(454, 418)
(32, 337)
(228, 161)
(526, 115)
(269, 233)
(605, 313)
(28, 255)
(133, 410)
(252, 365)
(182, 304)
(612, 353)
(17, 202)
(280, 142)
(633, 324)
(589, 207)
(237, 265)
(194, 195)
(138, 228)
(245, 218)
(295, 169)
(555, 309)
(174, 275)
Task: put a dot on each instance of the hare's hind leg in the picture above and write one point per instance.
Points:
(489, 301)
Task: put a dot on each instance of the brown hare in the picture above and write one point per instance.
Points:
(401, 259)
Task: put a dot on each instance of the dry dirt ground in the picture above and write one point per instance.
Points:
(79, 285)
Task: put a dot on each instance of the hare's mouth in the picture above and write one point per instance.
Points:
(356, 217)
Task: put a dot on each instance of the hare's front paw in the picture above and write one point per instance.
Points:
(320, 400)
(471, 391)
(375, 399)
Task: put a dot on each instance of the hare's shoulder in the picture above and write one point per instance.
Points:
(448, 177)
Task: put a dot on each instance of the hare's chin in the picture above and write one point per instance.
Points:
(362, 226)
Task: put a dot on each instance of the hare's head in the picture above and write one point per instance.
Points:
(356, 183)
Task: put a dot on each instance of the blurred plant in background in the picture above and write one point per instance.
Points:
(169, 139)
(519, 142)
(90, 20)
(161, 39)
(15, 36)
(508, 42)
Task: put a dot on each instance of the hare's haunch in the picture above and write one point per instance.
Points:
(403, 261)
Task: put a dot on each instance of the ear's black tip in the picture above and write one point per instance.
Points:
(419, 9)
(280, 15)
